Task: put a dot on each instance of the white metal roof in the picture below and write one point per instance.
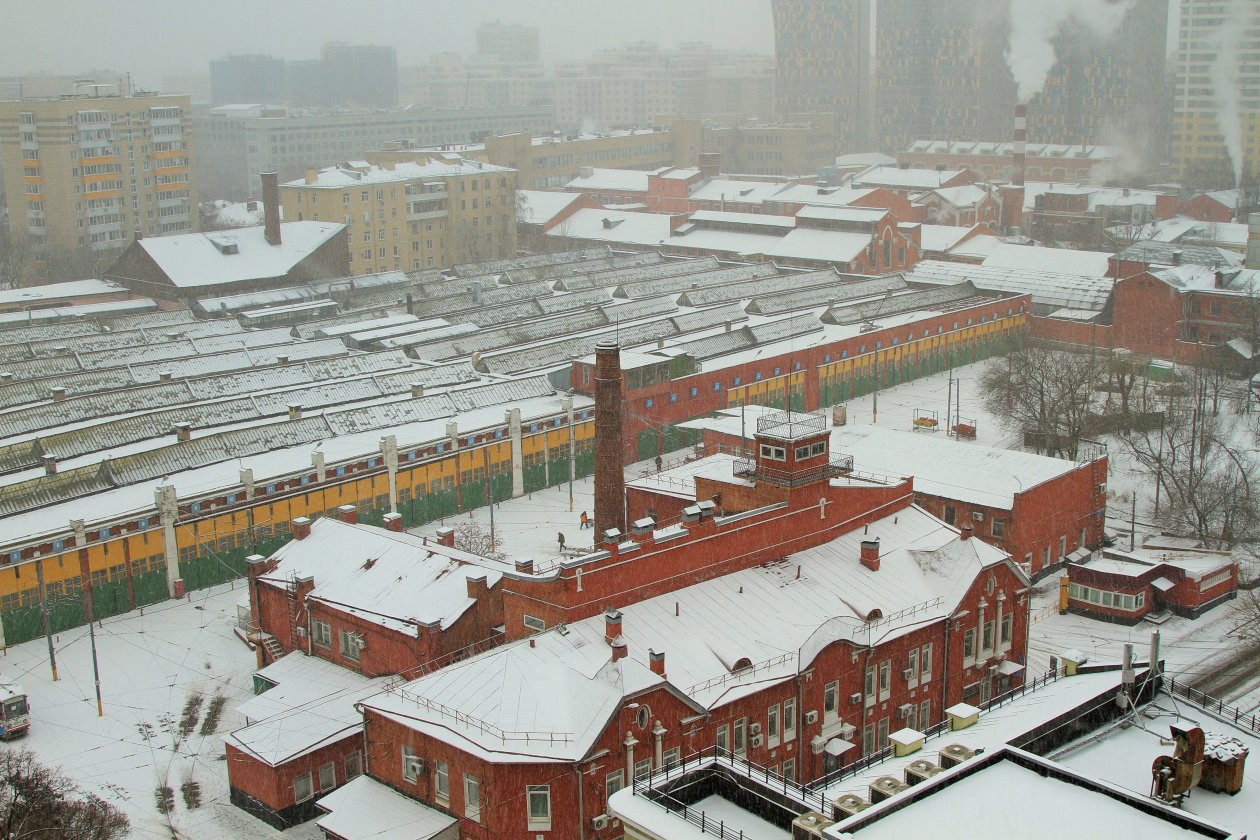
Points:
(191, 260)
(365, 809)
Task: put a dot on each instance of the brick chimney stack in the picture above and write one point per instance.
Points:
(612, 625)
(870, 554)
(301, 528)
(965, 532)
(656, 661)
(271, 207)
(610, 490)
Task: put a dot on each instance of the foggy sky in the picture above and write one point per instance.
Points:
(151, 37)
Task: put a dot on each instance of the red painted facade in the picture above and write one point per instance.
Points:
(1148, 588)
(270, 793)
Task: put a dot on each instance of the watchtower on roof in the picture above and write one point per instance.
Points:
(793, 449)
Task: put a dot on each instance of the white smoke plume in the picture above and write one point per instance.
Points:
(1226, 89)
(1034, 23)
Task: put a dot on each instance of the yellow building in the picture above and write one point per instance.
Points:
(432, 212)
(84, 173)
(1200, 144)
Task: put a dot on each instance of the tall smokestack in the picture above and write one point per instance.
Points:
(271, 207)
(1021, 136)
(610, 491)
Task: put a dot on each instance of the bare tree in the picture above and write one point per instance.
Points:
(39, 801)
(1044, 393)
(473, 537)
(1207, 481)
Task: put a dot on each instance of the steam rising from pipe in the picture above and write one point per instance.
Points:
(1226, 88)
(1034, 23)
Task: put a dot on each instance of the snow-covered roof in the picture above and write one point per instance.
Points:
(895, 178)
(750, 219)
(537, 207)
(193, 259)
(615, 226)
(620, 180)
(389, 578)
(1058, 260)
(548, 698)
(813, 195)
(365, 809)
(1033, 150)
(940, 238)
(733, 190)
(1202, 278)
(819, 245)
(968, 195)
(58, 291)
(967, 472)
(867, 215)
(1048, 289)
(360, 173)
(865, 159)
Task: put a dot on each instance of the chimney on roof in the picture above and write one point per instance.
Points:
(417, 390)
(348, 514)
(295, 411)
(870, 554)
(656, 661)
(965, 531)
(446, 537)
(612, 625)
(165, 376)
(50, 465)
(183, 432)
(137, 234)
(393, 522)
(312, 175)
(1219, 279)
(610, 492)
(477, 587)
(271, 207)
(525, 567)
(1176, 257)
(300, 528)
(58, 394)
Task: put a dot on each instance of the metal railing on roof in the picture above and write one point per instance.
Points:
(740, 673)
(1213, 704)
(837, 465)
(464, 719)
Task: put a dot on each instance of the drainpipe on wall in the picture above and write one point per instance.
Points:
(577, 769)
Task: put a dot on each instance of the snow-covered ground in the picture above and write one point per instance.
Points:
(181, 656)
(156, 669)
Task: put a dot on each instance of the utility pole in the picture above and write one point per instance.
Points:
(43, 610)
(80, 541)
(490, 485)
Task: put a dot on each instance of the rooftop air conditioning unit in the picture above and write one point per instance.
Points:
(811, 716)
(415, 766)
(809, 826)
(905, 710)
(977, 515)
(757, 741)
(855, 697)
(600, 822)
(907, 674)
(301, 631)
(754, 729)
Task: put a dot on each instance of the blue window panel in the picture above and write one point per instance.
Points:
(440, 448)
(472, 441)
(411, 456)
(737, 380)
(673, 398)
(778, 371)
(142, 522)
(271, 488)
(862, 348)
(533, 427)
(757, 376)
(648, 404)
(844, 354)
(695, 391)
(371, 462)
(879, 344)
(341, 470)
(103, 534)
(59, 545)
(231, 499)
(196, 507)
(306, 479)
(15, 556)
(827, 359)
(796, 366)
(717, 386)
(894, 341)
(498, 433)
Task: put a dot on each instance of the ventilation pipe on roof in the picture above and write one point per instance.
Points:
(525, 567)
(50, 465)
(966, 531)
(1021, 135)
(417, 390)
(165, 376)
(183, 432)
(1176, 257)
(446, 537)
(295, 411)
(58, 394)
(271, 207)
(612, 625)
(300, 528)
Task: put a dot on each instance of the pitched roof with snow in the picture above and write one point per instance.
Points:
(896, 178)
(621, 180)
(394, 579)
(537, 207)
(548, 698)
(243, 254)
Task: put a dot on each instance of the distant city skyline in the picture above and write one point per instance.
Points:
(136, 36)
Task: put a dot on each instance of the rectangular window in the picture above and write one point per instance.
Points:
(789, 769)
(950, 514)
(772, 724)
(885, 679)
(322, 633)
(987, 639)
(671, 758)
(533, 623)
(1005, 632)
(353, 765)
(774, 453)
(881, 734)
(998, 527)
(1063, 546)
(789, 719)
(351, 643)
(831, 700)
(328, 776)
(441, 782)
(969, 644)
(912, 667)
(643, 768)
(722, 739)
(869, 685)
(925, 661)
(738, 741)
(539, 798)
(302, 788)
(410, 765)
(614, 782)
(472, 798)
(868, 739)
(925, 714)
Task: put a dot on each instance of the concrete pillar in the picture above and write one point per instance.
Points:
(168, 511)
(518, 452)
(247, 481)
(389, 451)
(567, 405)
(317, 461)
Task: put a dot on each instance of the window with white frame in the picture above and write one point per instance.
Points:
(472, 798)
(1004, 634)
(328, 776)
(772, 725)
(643, 768)
(614, 782)
(302, 788)
(789, 769)
(869, 685)
(350, 645)
(533, 623)
(321, 633)
(969, 644)
(912, 668)
(1215, 579)
(671, 757)
(986, 638)
(722, 738)
(738, 740)
(831, 701)
(1063, 546)
(441, 782)
(410, 765)
(539, 799)
(1104, 598)
(925, 662)
(774, 453)
(925, 714)
(353, 765)
(885, 679)
(789, 719)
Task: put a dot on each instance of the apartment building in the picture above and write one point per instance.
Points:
(1199, 130)
(242, 141)
(85, 173)
(432, 212)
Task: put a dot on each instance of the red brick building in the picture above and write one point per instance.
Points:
(845, 617)
(1042, 511)
(372, 600)
(1123, 587)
